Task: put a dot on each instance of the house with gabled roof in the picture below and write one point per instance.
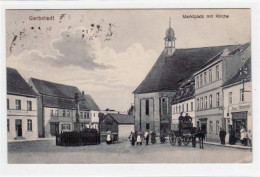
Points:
(21, 108)
(152, 98)
(57, 107)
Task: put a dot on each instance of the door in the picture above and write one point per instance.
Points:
(18, 127)
(238, 126)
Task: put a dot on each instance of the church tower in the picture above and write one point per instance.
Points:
(169, 41)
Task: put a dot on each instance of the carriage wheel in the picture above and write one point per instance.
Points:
(172, 139)
(186, 141)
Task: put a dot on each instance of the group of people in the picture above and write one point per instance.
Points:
(138, 137)
(245, 137)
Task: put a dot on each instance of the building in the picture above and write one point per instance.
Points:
(21, 108)
(208, 90)
(93, 113)
(184, 101)
(152, 98)
(57, 107)
(120, 125)
(238, 101)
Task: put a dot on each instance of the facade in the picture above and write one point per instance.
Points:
(184, 102)
(57, 107)
(120, 125)
(93, 113)
(152, 98)
(21, 108)
(208, 90)
(238, 101)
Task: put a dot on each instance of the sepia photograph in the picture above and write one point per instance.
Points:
(135, 86)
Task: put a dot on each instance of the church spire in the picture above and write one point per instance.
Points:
(170, 40)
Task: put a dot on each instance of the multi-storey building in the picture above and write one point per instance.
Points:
(238, 100)
(57, 107)
(21, 108)
(183, 102)
(152, 98)
(208, 90)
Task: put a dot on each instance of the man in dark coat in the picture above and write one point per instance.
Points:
(181, 120)
(222, 136)
(232, 137)
(146, 136)
(153, 139)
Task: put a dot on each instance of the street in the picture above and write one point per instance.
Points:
(45, 151)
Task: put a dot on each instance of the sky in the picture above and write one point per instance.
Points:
(107, 53)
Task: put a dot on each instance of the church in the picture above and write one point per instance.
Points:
(152, 98)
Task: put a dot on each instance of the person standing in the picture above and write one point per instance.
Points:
(243, 136)
(232, 137)
(109, 140)
(222, 136)
(139, 139)
(153, 139)
(146, 136)
(132, 138)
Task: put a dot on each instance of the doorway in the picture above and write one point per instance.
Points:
(18, 127)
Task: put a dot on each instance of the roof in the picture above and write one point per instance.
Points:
(169, 71)
(90, 103)
(17, 85)
(122, 118)
(239, 77)
(63, 103)
(55, 89)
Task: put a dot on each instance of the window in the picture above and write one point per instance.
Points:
(198, 82)
(205, 78)
(85, 115)
(217, 99)
(242, 96)
(210, 101)
(191, 106)
(210, 75)
(179, 108)
(198, 104)
(29, 105)
(217, 72)
(18, 104)
(68, 113)
(29, 125)
(7, 102)
(81, 114)
(56, 112)
(51, 112)
(147, 107)
(187, 107)
(8, 125)
(230, 97)
(164, 106)
(210, 127)
(63, 113)
(147, 126)
(201, 103)
(206, 102)
(201, 80)
(217, 127)
(65, 127)
(182, 107)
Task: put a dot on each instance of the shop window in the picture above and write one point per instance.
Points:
(230, 97)
(210, 127)
(29, 125)
(18, 104)
(210, 75)
(29, 105)
(147, 107)
(242, 96)
(217, 127)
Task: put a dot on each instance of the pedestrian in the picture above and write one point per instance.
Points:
(146, 136)
(162, 137)
(249, 137)
(139, 139)
(222, 136)
(232, 136)
(153, 137)
(193, 140)
(132, 138)
(243, 136)
(109, 140)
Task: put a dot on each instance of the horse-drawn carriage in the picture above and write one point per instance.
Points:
(183, 135)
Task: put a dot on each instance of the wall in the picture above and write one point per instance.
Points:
(24, 115)
(125, 130)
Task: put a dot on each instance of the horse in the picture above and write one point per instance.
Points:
(200, 134)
